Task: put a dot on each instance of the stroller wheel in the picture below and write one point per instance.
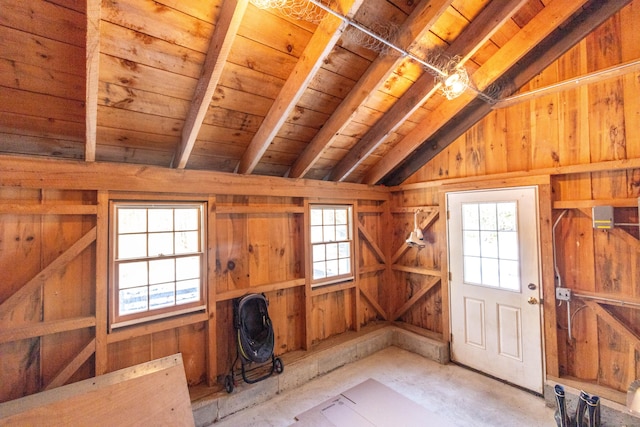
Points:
(228, 383)
(277, 365)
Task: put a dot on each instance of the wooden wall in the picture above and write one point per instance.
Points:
(53, 267)
(586, 138)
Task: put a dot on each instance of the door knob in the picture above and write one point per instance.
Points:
(532, 300)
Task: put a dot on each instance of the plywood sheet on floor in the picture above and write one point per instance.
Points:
(368, 404)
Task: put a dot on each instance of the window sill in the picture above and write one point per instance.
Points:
(332, 287)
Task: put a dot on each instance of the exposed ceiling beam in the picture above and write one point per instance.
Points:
(322, 42)
(92, 80)
(413, 30)
(543, 24)
(539, 58)
(477, 33)
(223, 36)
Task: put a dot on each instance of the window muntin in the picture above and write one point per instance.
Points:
(157, 260)
(490, 245)
(331, 243)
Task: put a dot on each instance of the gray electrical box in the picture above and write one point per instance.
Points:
(602, 217)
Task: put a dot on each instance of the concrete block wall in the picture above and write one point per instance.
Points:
(317, 363)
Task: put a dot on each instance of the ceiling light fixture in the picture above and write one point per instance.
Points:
(454, 80)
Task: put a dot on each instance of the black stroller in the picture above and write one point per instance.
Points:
(255, 341)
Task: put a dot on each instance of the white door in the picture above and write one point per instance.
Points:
(495, 283)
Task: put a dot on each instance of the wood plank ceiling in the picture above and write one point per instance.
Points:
(226, 86)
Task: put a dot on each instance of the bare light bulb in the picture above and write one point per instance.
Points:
(455, 85)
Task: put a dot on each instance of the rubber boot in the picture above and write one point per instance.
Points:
(594, 411)
(581, 410)
(561, 416)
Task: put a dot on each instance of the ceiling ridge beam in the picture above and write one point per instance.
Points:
(320, 45)
(477, 33)
(222, 39)
(554, 46)
(92, 65)
(534, 32)
(413, 29)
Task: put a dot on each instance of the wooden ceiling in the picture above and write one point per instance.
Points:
(225, 86)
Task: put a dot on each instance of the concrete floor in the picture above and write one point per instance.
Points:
(463, 397)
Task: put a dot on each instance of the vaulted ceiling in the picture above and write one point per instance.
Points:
(226, 86)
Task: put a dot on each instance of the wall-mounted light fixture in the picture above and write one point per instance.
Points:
(416, 238)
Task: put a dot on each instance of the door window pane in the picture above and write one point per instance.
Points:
(507, 219)
(471, 242)
(472, 270)
(470, 217)
(488, 220)
(490, 245)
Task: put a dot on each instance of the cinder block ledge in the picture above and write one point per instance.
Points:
(303, 366)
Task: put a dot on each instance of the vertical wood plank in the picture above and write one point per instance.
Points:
(547, 282)
(606, 115)
(444, 267)
(544, 122)
(475, 150)
(308, 271)
(101, 298)
(387, 229)
(518, 138)
(21, 243)
(211, 342)
(357, 241)
(92, 77)
(495, 142)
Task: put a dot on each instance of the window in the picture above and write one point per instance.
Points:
(331, 243)
(157, 260)
(490, 245)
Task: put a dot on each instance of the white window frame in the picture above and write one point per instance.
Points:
(330, 241)
(116, 318)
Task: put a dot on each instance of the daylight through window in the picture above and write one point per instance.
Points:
(331, 243)
(157, 260)
(490, 245)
